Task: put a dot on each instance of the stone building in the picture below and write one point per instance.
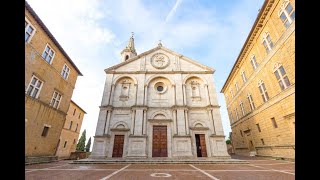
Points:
(70, 131)
(50, 77)
(260, 89)
(159, 104)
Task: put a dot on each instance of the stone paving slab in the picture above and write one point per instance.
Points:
(43, 166)
(226, 167)
(159, 166)
(66, 175)
(92, 166)
(251, 175)
(268, 162)
(147, 174)
(278, 166)
(257, 169)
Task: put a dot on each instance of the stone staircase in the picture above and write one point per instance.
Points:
(206, 160)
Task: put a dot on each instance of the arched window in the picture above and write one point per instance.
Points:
(244, 77)
(251, 102)
(267, 42)
(127, 57)
(287, 13)
(281, 76)
(253, 62)
(263, 91)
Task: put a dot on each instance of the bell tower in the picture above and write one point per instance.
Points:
(129, 51)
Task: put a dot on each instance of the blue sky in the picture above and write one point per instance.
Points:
(93, 32)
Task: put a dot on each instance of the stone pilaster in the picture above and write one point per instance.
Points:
(111, 94)
(186, 121)
(101, 121)
(107, 125)
(146, 95)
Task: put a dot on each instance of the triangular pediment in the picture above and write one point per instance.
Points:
(159, 59)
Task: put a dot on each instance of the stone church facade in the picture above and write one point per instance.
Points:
(158, 104)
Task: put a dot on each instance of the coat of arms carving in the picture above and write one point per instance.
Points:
(160, 61)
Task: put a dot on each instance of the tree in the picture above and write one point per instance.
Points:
(228, 141)
(88, 145)
(82, 142)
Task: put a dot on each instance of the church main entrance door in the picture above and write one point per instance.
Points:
(159, 143)
(201, 145)
(118, 146)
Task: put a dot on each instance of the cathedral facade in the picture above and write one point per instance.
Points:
(158, 104)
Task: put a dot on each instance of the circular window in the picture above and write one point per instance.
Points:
(160, 87)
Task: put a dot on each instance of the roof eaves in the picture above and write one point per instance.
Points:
(255, 25)
(43, 26)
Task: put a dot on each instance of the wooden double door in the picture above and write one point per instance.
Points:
(159, 141)
(118, 146)
(201, 145)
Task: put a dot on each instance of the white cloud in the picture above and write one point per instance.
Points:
(76, 24)
(173, 10)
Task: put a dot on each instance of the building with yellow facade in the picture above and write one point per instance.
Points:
(50, 77)
(260, 89)
(70, 132)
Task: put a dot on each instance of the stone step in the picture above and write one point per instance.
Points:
(159, 161)
(40, 159)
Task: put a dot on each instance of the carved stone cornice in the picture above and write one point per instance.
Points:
(136, 107)
(158, 72)
(45, 104)
(259, 22)
(181, 136)
(160, 120)
(119, 129)
(289, 115)
(102, 136)
(137, 136)
(199, 128)
(175, 107)
(116, 108)
(108, 107)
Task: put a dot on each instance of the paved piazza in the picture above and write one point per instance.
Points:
(257, 169)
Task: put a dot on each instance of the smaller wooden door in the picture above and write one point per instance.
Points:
(201, 145)
(118, 146)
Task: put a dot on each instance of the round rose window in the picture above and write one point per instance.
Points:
(160, 87)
